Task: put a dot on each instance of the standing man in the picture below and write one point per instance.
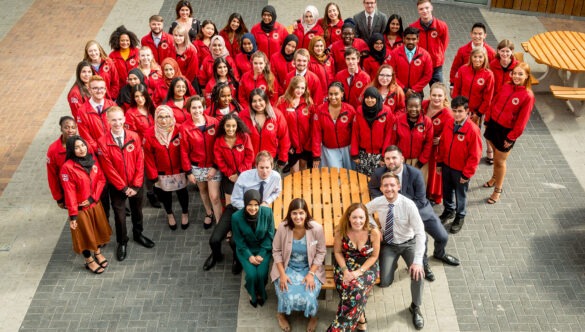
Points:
(91, 119)
(354, 79)
(370, 20)
(301, 61)
(412, 65)
(262, 178)
(413, 187)
(403, 235)
(434, 37)
(121, 156)
(160, 42)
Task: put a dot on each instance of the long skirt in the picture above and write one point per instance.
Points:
(93, 229)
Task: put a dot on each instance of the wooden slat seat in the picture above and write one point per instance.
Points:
(570, 93)
(330, 281)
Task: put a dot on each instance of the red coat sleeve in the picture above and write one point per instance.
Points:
(249, 155)
(457, 83)
(283, 138)
(355, 137)
(474, 156)
(428, 142)
(150, 163)
(457, 63)
(488, 93)
(101, 183)
(110, 171)
(522, 118)
(68, 182)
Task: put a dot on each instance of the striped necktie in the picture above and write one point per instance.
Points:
(389, 227)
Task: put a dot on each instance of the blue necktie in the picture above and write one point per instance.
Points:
(261, 190)
(389, 228)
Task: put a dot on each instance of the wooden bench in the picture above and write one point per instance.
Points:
(520, 57)
(568, 94)
(330, 281)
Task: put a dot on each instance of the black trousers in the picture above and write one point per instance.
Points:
(166, 198)
(118, 199)
(220, 232)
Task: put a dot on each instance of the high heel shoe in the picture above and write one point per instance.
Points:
(362, 323)
(172, 226)
(490, 183)
(495, 197)
(97, 270)
(184, 225)
(210, 216)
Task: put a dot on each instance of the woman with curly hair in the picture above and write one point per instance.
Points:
(124, 44)
(223, 72)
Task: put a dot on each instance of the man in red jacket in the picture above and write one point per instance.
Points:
(354, 79)
(121, 156)
(459, 154)
(301, 63)
(91, 119)
(412, 64)
(160, 42)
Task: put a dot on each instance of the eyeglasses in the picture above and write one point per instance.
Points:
(385, 75)
(98, 88)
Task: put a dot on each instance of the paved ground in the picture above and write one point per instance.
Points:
(522, 259)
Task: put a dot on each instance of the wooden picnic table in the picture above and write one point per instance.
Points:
(328, 192)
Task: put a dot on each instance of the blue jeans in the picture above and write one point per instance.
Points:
(454, 192)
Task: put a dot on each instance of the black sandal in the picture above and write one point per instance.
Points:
(96, 271)
(103, 263)
(210, 216)
(365, 321)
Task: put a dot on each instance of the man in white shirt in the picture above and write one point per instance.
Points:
(403, 235)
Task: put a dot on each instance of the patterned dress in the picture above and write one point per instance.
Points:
(298, 297)
(353, 297)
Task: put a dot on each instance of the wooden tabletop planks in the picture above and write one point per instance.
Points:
(564, 50)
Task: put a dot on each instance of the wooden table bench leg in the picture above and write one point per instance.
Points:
(576, 111)
(546, 73)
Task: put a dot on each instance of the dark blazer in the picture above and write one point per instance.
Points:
(412, 186)
(378, 24)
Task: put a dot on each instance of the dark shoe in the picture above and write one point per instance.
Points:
(448, 259)
(153, 200)
(103, 263)
(121, 252)
(211, 216)
(457, 224)
(173, 227)
(253, 304)
(446, 215)
(184, 226)
(260, 301)
(417, 317)
(429, 275)
(495, 197)
(98, 270)
(143, 241)
(210, 262)
(236, 267)
(361, 325)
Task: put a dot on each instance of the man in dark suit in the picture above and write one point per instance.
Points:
(413, 187)
(370, 20)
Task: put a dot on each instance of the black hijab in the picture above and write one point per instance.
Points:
(268, 27)
(288, 39)
(251, 38)
(125, 95)
(370, 113)
(86, 162)
(379, 56)
(251, 195)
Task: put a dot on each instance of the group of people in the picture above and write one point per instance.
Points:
(229, 110)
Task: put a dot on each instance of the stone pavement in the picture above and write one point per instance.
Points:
(522, 259)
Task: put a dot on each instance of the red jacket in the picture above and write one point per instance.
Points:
(214, 112)
(197, 146)
(138, 122)
(165, 49)
(206, 72)
(161, 90)
(160, 160)
(372, 139)
(305, 38)
(189, 63)
(352, 92)
(55, 159)
(209, 89)
(414, 75)
(460, 151)
(511, 109)
(203, 50)
(243, 64)
(396, 100)
(435, 39)
(124, 167)
(501, 75)
(236, 159)
(232, 47)
(332, 134)
(415, 143)
(75, 100)
(79, 186)
(334, 33)
(298, 120)
(125, 66)
(440, 119)
(337, 50)
(181, 114)
(397, 43)
(280, 68)
(248, 83)
(109, 73)
(272, 137)
(313, 85)
(269, 43)
(152, 81)
(91, 125)
(476, 85)
(324, 70)
(463, 55)
(371, 66)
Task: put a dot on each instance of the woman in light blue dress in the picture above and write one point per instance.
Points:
(298, 272)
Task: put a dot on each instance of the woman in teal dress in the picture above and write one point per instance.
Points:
(298, 273)
(356, 249)
(253, 231)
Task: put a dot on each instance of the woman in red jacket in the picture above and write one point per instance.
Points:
(260, 77)
(505, 123)
(297, 107)
(56, 158)
(124, 45)
(378, 55)
(135, 77)
(103, 66)
(337, 49)
(197, 150)
(503, 64)
(331, 22)
(394, 32)
(414, 135)
(162, 158)
(268, 128)
(332, 126)
(79, 92)
(438, 109)
(269, 34)
(321, 63)
(222, 102)
(307, 27)
(218, 50)
(282, 63)
(232, 33)
(233, 152)
(392, 94)
(247, 48)
(151, 70)
(171, 70)
(223, 72)
(176, 97)
(203, 41)
(371, 132)
(140, 115)
(83, 181)
(186, 55)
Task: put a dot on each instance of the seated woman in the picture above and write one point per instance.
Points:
(253, 231)
(299, 252)
(356, 249)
